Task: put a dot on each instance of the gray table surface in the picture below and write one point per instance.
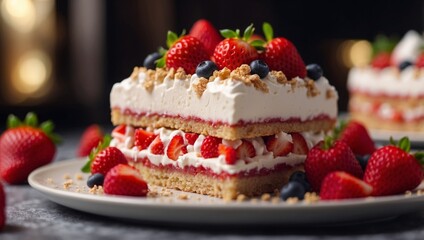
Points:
(31, 216)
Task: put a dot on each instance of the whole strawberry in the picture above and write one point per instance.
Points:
(356, 136)
(90, 138)
(184, 52)
(2, 207)
(234, 50)
(342, 185)
(103, 158)
(327, 157)
(393, 170)
(207, 34)
(281, 55)
(25, 146)
(125, 180)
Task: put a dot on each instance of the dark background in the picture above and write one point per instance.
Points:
(88, 58)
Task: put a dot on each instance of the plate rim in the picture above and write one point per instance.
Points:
(126, 201)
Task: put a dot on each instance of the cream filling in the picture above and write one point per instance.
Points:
(263, 159)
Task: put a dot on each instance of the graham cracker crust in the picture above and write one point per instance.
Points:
(228, 188)
(221, 130)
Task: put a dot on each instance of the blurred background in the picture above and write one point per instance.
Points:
(61, 58)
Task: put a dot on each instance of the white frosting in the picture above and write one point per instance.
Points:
(388, 81)
(408, 48)
(263, 159)
(226, 101)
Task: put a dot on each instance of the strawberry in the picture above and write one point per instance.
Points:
(245, 150)
(176, 147)
(2, 207)
(207, 34)
(328, 156)
(393, 170)
(103, 158)
(342, 185)
(299, 144)
(234, 51)
(281, 55)
(191, 138)
(125, 180)
(24, 147)
(229, 153)
(156, 147)
(90, 138)
(184, 52)
(119, 132)
(107, 159)
(381, 60)
(356, 136)
(279, 145)
(419, 62)
(143, 138)
(209, 147)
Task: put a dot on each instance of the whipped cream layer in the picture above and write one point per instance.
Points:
(227, 101)
(263, 158)
(387, 82)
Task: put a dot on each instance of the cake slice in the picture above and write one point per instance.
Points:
(238, 127)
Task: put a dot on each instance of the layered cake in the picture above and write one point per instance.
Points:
(388, 94)
(234, 130)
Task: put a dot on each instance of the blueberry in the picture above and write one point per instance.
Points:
(363, 160)
(95, 179)
(404, 65)
(314, 71)
(293, 189)
(205, 69)
(300, 176)
(259, 67)
(149, 61)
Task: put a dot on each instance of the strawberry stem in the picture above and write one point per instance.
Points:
(403, 144)
(339, 129)
(31, 120)
(268, 31)
(13, 121)
(328, 142)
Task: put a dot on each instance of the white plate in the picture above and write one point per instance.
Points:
(384, 136)
(199, 209)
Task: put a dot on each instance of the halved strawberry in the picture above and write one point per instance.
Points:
(279, 145)
(234, 51)
(156, 147)
(191, 137)
(245, 150)
(206, 33)
(176, 147)
(119, 132)
(90, 138)
(125, 180)
(143, 138)
(342, 185)
(229, 153)
(299, 144)
(209, 147)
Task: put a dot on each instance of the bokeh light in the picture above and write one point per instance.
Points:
(19, 14)
(32, 72)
